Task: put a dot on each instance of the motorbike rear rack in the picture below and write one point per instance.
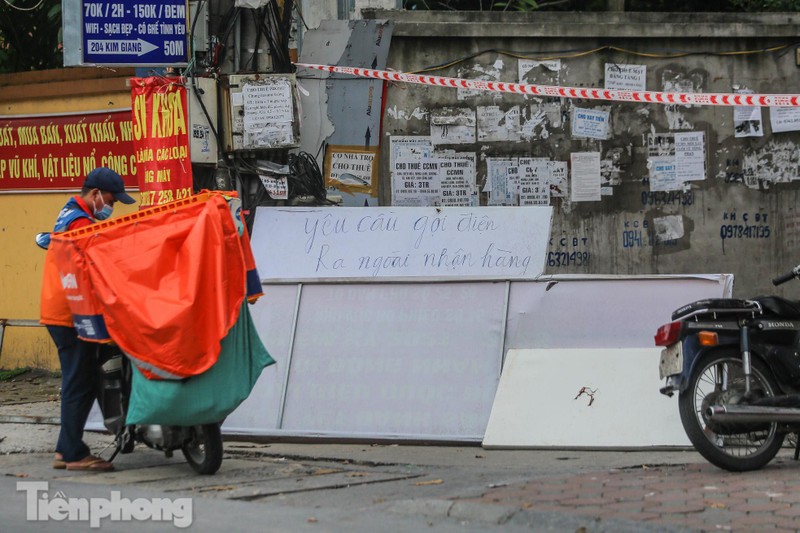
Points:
(714, 307)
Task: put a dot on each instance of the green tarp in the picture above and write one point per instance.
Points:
(210, 396)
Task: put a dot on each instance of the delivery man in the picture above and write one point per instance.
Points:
(79, 362)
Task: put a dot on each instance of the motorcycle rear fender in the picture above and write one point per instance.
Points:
(692, 352)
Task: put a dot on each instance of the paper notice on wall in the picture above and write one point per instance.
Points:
(416, 182)
(267, 113)
(784, 119)
(534, 183)
(458, 180)
(532, 71)
(662, 174)
(626, 77)
(451, 125)
(585, 183)
(351, 169)
(558, 178)
(277, 188)
(690, 156)
(482, 72)
(496, 125)
(777, 161)
(539, 119)
(610, 171)
(590, 123)
(408, 146)
(513, 183)
(747, 119)
(267, 103)
(411, 184)
(497, 181)
(668, 228)
(660, 144)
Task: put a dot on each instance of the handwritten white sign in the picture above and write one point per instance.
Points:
(401, 242)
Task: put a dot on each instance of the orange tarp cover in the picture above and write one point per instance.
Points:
(169, 284)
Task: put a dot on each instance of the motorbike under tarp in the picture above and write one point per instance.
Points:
(165, 284)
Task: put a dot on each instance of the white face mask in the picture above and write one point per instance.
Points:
(105, 210)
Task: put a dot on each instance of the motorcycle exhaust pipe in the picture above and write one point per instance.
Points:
(753, 413)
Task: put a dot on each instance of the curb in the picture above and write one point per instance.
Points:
(30, 419)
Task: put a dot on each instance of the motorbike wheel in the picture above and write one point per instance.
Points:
(718, 379)
(204, 451)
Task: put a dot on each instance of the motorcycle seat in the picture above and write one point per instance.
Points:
(775, 305)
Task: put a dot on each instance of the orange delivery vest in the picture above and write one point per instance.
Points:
(54, 309)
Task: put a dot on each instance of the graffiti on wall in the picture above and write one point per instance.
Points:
(569, 251)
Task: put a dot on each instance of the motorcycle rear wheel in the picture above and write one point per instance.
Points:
(204, 451)
(718, 379)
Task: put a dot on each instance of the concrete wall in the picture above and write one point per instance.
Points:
(22, 215)
(742, 218)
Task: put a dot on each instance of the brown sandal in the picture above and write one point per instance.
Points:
(91, 463)
(58, 462)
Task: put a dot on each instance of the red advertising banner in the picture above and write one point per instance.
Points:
(161, 139)
(55, 152)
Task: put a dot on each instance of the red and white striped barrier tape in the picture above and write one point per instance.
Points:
(615, 95)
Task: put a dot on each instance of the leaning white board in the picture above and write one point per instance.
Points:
(583, 398)
(602, 311)
(408, 360)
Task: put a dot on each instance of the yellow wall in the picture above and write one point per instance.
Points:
(22, 215)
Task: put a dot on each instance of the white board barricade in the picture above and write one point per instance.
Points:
(422, 360)
(463, 243)
(417, 354)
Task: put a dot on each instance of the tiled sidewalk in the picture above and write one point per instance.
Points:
(700, 496)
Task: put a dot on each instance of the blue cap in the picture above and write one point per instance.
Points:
(107, 180)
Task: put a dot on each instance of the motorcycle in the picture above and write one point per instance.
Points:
(735, 365)
(201, 444)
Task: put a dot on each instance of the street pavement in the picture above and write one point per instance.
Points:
(317, 486)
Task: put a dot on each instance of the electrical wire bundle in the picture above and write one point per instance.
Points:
(305, 178)
(276, 25)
